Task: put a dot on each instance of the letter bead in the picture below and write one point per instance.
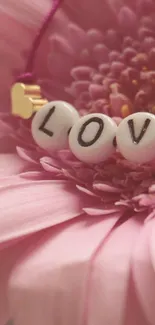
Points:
(136, 137)
(91, 138)
(51, 125)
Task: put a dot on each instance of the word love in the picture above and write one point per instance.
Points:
(90, 137)
(93, 138)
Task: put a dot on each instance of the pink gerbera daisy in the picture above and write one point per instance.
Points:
(76, 240)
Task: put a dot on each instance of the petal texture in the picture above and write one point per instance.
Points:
(11, 164)
(54, 289)
(110, 276)
(143, 273)
(28, 207)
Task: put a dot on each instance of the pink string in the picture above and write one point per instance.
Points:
(28, 75)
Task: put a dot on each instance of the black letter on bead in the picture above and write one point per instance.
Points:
(99, 132)
(135, 139)
(114, 142)
(47, 117)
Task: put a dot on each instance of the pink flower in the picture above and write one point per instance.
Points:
(77, 241)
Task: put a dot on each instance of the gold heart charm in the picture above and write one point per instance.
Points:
(26, 99)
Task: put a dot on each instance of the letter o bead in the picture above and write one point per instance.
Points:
(91, 138)
(51, 125)
(136, 137)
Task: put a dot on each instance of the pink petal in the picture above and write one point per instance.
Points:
(33, 175)
(152, 242)
(10, 182)
(98, 14)
(30, 156)
(8, 259)
(152, 189)
(106, 188)
(49, 287)
(145, 199)
(30, 206)
(60, 50)
(77, 33)
(51, 162)
(127, 18)
(100, 211)
(115, 5)
(11, 164)
(109, 278)
(5, 128)
(143, 273)
(49, 168)
(134, 311)
(82, 72)
(85, 190)
(7, 144)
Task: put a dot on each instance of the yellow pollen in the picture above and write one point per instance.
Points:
(144, 68)
(135, 82)
(153, 109)
(125, 110)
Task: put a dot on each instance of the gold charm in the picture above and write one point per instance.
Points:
(26, 100)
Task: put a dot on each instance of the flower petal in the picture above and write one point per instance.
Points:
(53, 291)
(8, 259)
(11, 164)
(152, 242)
(134, 311)
(101, 186)
(101, 211)
(143, 273)
(27, 155)
(111, 265)
(30, 206)
(91, 13)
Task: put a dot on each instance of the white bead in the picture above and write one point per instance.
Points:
(52, 123)
(91, 138)
(136, 137)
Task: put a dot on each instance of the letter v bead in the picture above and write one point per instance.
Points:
(137, 139)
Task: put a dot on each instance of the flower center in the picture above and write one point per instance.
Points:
(115, 73)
